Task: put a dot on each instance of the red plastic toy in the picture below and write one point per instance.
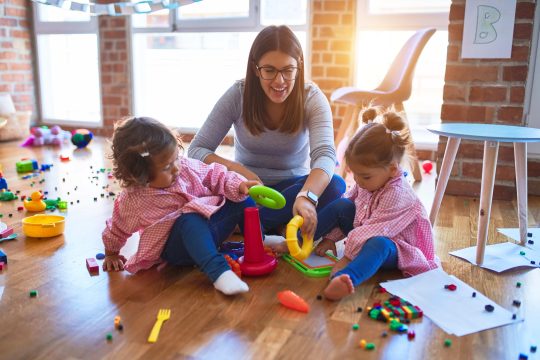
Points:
(292, 301)
(255, 261)
(92, 265)
(427, 166)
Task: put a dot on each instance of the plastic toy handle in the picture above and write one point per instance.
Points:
(267, 197)
(292, 239)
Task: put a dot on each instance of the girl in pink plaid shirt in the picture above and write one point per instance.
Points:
(182, 208)
(384, 222)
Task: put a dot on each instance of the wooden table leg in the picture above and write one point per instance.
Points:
(452, 146)
(491, 149)
(520, 156)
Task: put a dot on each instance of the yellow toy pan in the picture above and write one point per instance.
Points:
(43, 225)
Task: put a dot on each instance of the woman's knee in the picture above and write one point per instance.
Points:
(334, 190)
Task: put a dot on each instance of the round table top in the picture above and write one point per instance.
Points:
(487, 132)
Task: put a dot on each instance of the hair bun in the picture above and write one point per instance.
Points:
(369, 115)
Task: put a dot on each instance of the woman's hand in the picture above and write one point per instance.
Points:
(114, 262)
(246, 185)
(245, 172)
(324, 246)
(306, 209)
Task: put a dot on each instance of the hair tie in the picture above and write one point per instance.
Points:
(144, 154)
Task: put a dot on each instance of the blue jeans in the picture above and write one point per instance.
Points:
(271, 219)
(194, 240)
(378, 252)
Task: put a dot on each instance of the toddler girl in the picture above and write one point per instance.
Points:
(385, 224)
(182, 208)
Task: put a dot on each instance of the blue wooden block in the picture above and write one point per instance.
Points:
(3, 257)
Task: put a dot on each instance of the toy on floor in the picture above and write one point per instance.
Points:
(427, 166)
(35, 203)
(43, 135)
(292, 239)
(43, 225)
(7, 196)
(26, 165)
(81, 138)
(256, 261)
(3, 183)
(292, 301)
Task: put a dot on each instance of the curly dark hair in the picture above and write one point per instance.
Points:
(135, 141)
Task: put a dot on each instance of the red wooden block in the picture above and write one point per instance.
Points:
(2, 266)
(6, 232)
(92, 265)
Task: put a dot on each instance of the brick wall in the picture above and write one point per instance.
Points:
(332, 47)
(487, 91)
(16, 63)
(116, 82)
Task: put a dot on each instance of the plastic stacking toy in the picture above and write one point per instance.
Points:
(292, 301)
(255, 261)
(35, 203)
(267, 197)
(43, 225)
(292, 239)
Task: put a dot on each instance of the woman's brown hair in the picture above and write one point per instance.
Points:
(273, 38)
(135, 141)
(383, 139)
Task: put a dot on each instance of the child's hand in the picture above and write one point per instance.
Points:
(342, 263)
(244, 186)
(324, 246)
(114, 262)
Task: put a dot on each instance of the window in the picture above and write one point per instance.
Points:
(383, 27)
(68, 65)
(185, 59)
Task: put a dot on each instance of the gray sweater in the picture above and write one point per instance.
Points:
(272, 155)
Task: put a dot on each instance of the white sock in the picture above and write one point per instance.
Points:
(270, 240)
(230, 284)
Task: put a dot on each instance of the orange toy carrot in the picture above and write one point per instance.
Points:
(292, 301)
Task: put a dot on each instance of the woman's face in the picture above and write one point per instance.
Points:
(277, 73)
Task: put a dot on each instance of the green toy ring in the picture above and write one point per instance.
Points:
(267, 197)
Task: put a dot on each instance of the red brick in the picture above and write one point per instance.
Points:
(467, 113)
(515, 73)
(455, 32)
(523, 31)
(517, 94)
(488, 93)
(455, 92)
(513, 114)
(525, 10)
(325, 19)
(457, 12)
(520, 53)
(471, 73)
(341, 45)
(335, 71)
(339, 6)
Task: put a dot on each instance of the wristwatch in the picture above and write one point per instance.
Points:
(310, 196)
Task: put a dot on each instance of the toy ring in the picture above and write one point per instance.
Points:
(267, 197)
(292, 239)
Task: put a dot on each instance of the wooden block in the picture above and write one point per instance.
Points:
(92, 265)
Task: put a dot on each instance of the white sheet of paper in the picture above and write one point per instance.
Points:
(456, 312)
(501, 257)
(513, 233)
(1, 292)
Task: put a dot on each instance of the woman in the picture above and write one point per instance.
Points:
(284, 136)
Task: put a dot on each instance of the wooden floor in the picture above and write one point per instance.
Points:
(74, 311)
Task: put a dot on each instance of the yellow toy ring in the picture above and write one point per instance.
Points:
(292, 239)
(267, 197)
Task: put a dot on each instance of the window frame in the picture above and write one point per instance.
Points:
(90, 27)
(250, 24)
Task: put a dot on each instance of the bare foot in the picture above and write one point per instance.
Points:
(339, 287)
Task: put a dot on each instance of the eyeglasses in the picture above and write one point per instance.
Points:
(269, 72)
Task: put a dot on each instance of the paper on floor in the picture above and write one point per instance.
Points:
(456, 312)
(501, 257)
(513, 233)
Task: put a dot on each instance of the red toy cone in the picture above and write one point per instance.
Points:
(255, 260)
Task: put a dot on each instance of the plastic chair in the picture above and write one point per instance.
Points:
(393, 90)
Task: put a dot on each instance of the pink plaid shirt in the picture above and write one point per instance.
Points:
(199, 188)
(393, 211)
